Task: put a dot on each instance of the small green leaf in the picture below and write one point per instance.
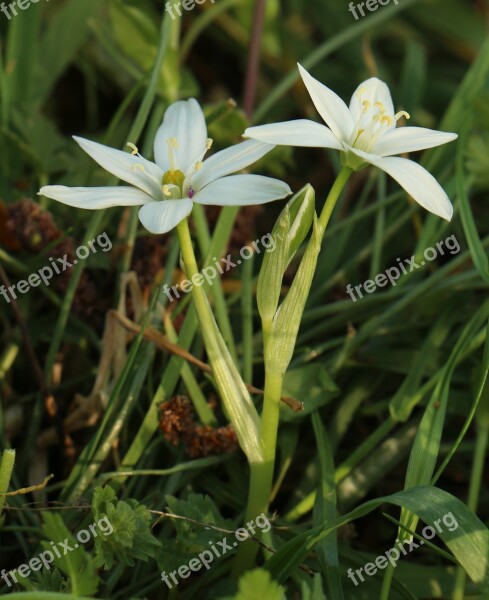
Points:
(130, 537)
(259, 584)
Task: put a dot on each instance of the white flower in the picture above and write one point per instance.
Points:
(365, 132)
(167, 189)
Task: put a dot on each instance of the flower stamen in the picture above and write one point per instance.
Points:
(134, 148)
(402, 113)
(359, 133)
(172, 144)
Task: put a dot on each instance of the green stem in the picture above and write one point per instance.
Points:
(6, 467)
(261, 480)
(220, 308)
(247, 312)
(171, 375)
(205, 316)
(270, 418)
(333, 196)
(386, 583)
(234, 395)
(473, 498)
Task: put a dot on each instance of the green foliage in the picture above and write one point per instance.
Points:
(49, 581)
(469, 541)
(131, 538)
(320, 389)
(192, 535)
(78, 565)
(394, 385)
(258, 583)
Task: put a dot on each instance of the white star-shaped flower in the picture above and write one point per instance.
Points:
(365, 133)
(167, 188)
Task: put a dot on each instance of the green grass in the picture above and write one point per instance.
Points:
(395, 428)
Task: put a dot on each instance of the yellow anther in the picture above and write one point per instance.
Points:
(172, 142)
(387, 120)
(380, 106)
(199, 165)
(137, 167)
(166, 191)
(402, 113)
(133, 148)
(209, 143)
(366, 105)
(361, 91)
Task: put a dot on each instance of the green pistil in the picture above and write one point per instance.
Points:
(174, 178)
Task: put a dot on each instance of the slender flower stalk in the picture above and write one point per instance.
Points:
(233, 392)
(261, 476)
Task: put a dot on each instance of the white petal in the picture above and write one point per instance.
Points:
(94, 198)
(242, 190)
(419, 184)
(229, 161)
(184, 121)
(373, 91)
(135, 170)
(160, 217)
(410, 139)
(330, 106)
(301, 132)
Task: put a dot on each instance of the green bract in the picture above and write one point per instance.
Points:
(288, 234)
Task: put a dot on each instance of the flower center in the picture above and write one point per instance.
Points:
(175, 183)
(372, 123)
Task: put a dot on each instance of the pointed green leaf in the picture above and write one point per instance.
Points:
(301, 212)
(273, 268)
(468, 542)
(285, 327)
